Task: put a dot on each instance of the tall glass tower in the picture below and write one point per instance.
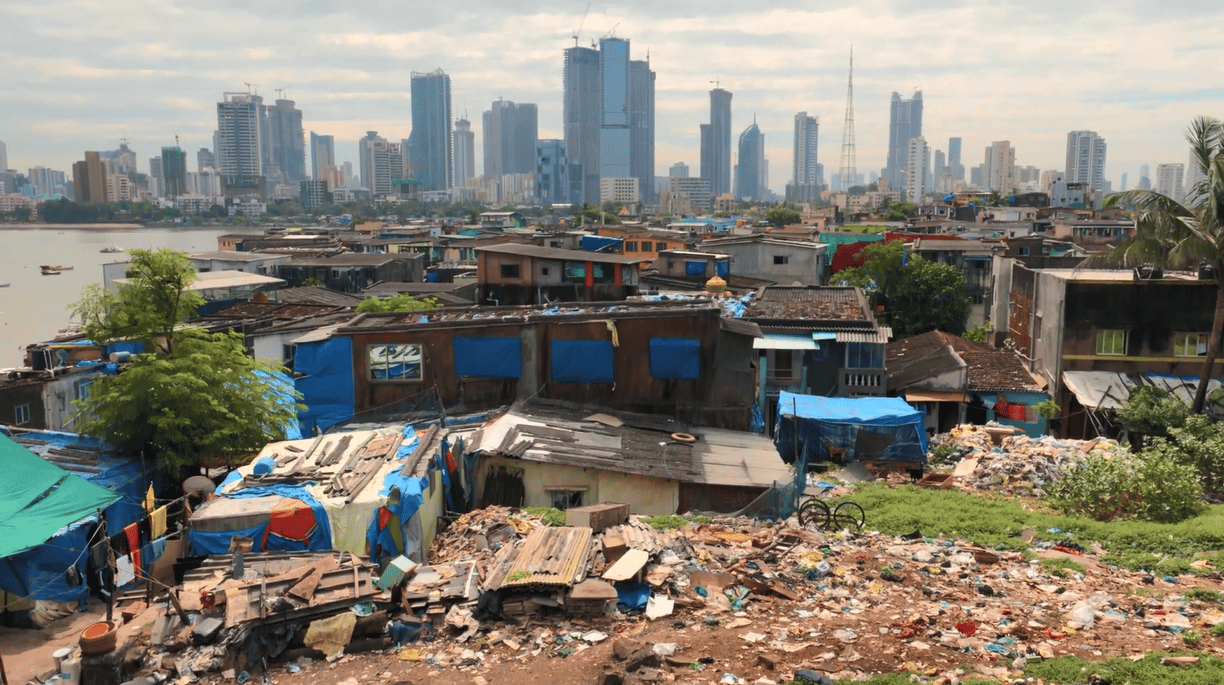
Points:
(904, 124)
(429, 144)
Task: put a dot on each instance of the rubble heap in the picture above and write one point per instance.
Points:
(989, 458)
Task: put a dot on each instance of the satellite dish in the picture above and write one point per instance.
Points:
(199, 485)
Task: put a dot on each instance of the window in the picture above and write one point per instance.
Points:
(864, 356)
(1111, 342)
(631, 246)
(395, 362)
(81, 389)
(1189, 344)
(659, 247)
(979, 264)
(287, 352)
(781, 259)
(509, 270)
(1024, 252)
(21, 415)
(565, 499)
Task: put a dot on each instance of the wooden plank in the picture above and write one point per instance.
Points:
(628, 566)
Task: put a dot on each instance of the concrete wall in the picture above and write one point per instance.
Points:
(644, 495)
(272, 346)
(805, 264)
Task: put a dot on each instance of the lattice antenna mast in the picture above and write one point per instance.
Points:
(848, 171)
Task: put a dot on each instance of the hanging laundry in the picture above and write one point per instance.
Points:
(133, 539)
(157, 520)
(124, 573)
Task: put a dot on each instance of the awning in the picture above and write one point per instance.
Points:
(773, 341)
(824, 336)
(935, 396)
(1099, 389)
(880, 336)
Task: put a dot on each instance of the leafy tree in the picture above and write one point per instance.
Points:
(402, 302)
(783, 216)
(192, 396)
(217, 212)
(1152, 411)
(900, 211)
(979, 333)
(918, 295)
(1173, 234)
(1199, 442)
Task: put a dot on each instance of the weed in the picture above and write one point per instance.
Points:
(547, 515)
(1191, 638)
(1060, 566)
(1146, 671)
(1204, 594)
(518, 575)
(672, 521)
(1217, 630)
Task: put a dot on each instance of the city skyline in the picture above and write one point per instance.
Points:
(69, 94)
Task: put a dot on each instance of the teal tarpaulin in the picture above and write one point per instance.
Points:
(37, 498)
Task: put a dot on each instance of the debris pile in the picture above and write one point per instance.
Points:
(997, 458)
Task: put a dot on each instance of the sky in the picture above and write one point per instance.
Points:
(83, 74)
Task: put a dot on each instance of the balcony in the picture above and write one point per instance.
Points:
(861, 382)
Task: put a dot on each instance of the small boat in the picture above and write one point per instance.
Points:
(4, 285)
(112, 249)
(53, 269)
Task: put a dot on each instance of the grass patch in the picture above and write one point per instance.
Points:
(673, 521)
(996, 522)
(1217, 630)
(1147, 671)
(1203, 594)
(547, 515)
(1060, 566)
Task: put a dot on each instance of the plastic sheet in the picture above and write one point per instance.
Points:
(884, 428)
(488, 357)
(581, 361)
(675, 358)
(326, 383)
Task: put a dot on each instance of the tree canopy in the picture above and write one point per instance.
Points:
(403, 302)
(1176, 234)
(192, 395)
(783, 216)
(900, 211)
(918, 295)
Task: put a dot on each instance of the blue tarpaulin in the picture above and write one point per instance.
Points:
(601, 243)
(207, 542)
(723, 268)
(675, 358)
(582, 361)
(867, 428)
(384, 541)
(693, 268)
(326, 383)
(488, 357)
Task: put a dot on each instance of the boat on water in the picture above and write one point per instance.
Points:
(112, 249)
(4, 285)
(53, 269)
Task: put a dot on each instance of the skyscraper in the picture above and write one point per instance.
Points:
(678, 170)
(363, 157)
(552, 172)
(999, 166)
(1194, 176)
(956, 169)
(89, 179)
(917, 161)
(749, 172)
(1169, 179)
(430, 141)
(239, 146)
(608, 114)
(205, 159)
(464, 146)
(157, 184)
(582, 116)
(716, 143)
(904, 124)
(1145, 178)
(1086, 160)
(174, 171)
(3, 156)
(286, 144)
(805, 175)
(322, 155)
(510, 134)
(642, 126)
(386, 164)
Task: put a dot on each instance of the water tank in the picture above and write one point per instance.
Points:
(1147, 272)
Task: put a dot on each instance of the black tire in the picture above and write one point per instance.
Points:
(847, 515)
(814, 514)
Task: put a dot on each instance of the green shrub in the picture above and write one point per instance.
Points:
(1217, 630)
(1060, 566)
(547, 515)
(1203, 594)
(942, 453)
(1149, 486)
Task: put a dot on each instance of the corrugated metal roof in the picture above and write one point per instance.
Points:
(880, 336)
(773, 341)
(558, 253)
(550, 556)
(1099, 389)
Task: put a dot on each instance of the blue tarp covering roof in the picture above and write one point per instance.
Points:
(867, 428)
(326, 383)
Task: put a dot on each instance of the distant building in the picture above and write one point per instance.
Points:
(510, 134)
(904, 124)
(955, 168)
(806, 178)
(918, 160)
(1086, 160)
(552, 172)
(386, 165)
(749, 172)
(322, 156)
(429, 144)
(89, 179)
(698, 191)
(1000, 166)
(47, 181)
(716, 143)
(205, 159)
(315, 193)
(240, 144)
(678, 170)
(530, 274)
(1169, 180)
(464, 146)
(173, 171)
(620, 190)
(285, 144)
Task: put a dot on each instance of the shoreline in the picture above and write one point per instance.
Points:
(110, 227)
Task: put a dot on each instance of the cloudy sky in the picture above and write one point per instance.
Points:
(82, 74)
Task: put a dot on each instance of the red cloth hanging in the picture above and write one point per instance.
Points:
(133, 537)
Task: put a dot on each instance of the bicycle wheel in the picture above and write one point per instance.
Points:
(847, 515)
(814, 514)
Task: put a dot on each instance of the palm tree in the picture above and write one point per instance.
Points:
(1173, 234)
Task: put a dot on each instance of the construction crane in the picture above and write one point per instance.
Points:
(716, 82)
(176, 141)
(250, 86)
(579, 29)
(280, 93)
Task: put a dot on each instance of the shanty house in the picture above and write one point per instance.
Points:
(515, 273)
(550, 455)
